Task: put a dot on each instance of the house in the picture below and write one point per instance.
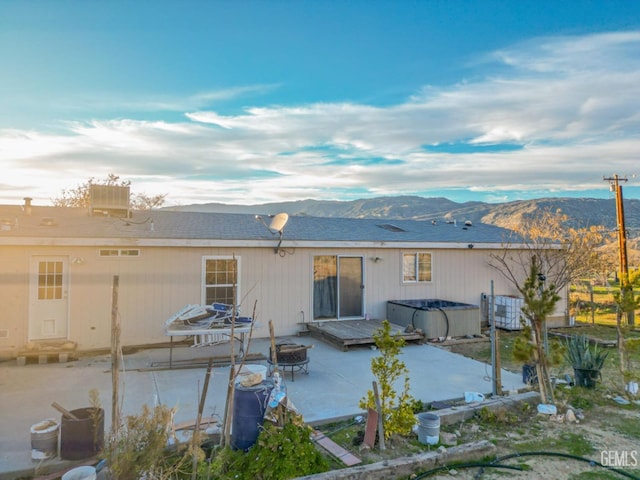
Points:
(57, 267)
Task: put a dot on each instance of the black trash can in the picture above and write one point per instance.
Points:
(82, 438)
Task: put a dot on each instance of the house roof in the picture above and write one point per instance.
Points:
(157, 227)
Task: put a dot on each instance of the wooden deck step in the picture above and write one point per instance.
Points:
(44, 356)
(346, 333)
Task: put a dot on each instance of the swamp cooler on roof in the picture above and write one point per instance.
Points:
(436, 318)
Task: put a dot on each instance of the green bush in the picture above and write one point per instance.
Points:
(397, 409)
(280, 453)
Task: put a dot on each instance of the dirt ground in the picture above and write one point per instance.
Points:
(543, 446)
(605, 431)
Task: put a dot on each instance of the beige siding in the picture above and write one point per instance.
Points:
(162, 280)
(14, 298)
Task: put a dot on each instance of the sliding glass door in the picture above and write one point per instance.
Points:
(338, 287)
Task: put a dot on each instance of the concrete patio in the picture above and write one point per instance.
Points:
(331, 390)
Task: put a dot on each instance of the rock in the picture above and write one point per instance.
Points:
(453, 472)
(448, 439)
(251, 380)
(557, 418)
(474, 428)
(570, 417)
(442, 449)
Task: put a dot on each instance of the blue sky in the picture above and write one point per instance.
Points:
(251, 102)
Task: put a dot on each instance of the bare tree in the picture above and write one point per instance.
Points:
(80, 196)
(540, 260)
(142, 201)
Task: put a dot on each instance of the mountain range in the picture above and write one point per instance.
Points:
(581, 212)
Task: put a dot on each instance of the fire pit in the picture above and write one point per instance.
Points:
(289, 355)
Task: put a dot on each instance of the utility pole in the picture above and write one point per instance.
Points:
(622, 239)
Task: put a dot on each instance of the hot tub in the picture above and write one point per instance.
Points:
(436, 318)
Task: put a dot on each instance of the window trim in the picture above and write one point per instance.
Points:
(203, 278)
(416, 265)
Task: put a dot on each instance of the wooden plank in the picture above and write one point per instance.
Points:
(334, 449)
(371, 428)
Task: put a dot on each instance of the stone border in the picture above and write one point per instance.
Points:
(465, 412)
(404, 467)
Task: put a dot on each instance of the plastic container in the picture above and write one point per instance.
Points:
(80, 473)
(249, 407)
(586, 378)
(82, 438)
(428, 428)
(44, 439)
(529, 374)
(547, 409)
(470, 397)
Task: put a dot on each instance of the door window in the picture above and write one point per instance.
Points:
(49, 280)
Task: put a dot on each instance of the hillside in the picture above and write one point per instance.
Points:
(582, 212)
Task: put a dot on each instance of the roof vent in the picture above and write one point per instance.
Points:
(27, 205)
(110, 199)
(391, 227)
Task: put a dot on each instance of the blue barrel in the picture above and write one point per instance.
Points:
(249, 406)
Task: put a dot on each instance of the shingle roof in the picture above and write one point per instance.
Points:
(74, 223)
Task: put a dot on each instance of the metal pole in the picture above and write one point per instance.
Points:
(115, 358)
(492, 321)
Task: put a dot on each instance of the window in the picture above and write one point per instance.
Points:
(50, 281)
(119, 252)
(416, 267)
(220, 278)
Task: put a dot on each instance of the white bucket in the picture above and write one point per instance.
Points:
(80, 473)
(428, 428)
(249, 369)
(44, 439)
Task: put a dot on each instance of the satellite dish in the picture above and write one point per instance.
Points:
(278, 222)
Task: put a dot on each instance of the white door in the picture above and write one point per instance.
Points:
(48, 297)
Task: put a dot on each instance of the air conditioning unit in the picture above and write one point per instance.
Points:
(110, 199)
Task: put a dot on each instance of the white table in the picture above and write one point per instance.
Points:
(203, 337)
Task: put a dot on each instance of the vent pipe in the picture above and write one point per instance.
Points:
(27, 205)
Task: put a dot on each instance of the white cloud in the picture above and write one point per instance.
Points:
(571, 103)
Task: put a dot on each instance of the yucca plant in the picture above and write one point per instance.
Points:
(584, 355)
